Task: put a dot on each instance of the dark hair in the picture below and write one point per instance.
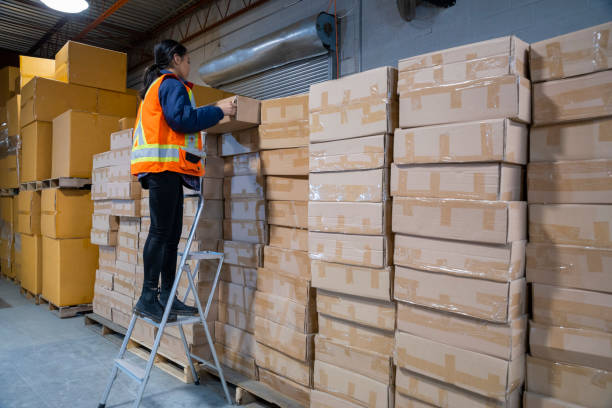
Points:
(164, 53)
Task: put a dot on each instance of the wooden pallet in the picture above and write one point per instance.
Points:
(9, 192)
(29, 295)
(67, 311)
(31, 186)
(66, 182)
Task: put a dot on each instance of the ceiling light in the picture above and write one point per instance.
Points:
(67, 6)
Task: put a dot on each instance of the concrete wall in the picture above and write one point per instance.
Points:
(373, 34)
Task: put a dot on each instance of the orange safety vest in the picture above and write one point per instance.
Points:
(156, 146)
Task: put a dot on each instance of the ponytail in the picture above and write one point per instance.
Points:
(164, 54)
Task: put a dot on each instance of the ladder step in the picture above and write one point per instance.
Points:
(184, 321)
(131, 369)
(203, 255)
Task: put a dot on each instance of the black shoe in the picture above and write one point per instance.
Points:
(178, 307)
(148, 306)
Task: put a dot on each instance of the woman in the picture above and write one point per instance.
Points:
(167, 129)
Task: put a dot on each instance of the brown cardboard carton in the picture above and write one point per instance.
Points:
(496, 140)
(205, 95)
(36, 151)
(127, 240)
(66, 282)
(77, 136)
(292, 390)
(9, 177)
(359, 250)
(502, 263)
(505, 341)
(573, 346)
(435, 393)
(498, 302)
(13, 110)
(289, 238)
(281, 364)
(352, 386)
(239, 275)
(580, 181)
(362, 186)
(362, 153)
(285, 162)
(242, 165)
(284, 135)
(353, 280)
(121, 139)
(563, 100)
(66, 213)
(507, 96)
(214, 167)
(127, 123)
(119, 157)
(292, 214)
(584, 140)
(320, 399)
(30, 67)
(581, 309)
(103, 206)
(213, 209)
(350, 218)
(570, 266)
(104, 279)
(402, 400)
(28, 212)
(240, 142)
(371, 313)
(290, 287)
(576, 53)
(286, 312)
(255, 232)
(576, 384)
(248, 209)
(571, 224)
(295, 344)
(284, 110)
(9, 83)
(99, 177)
(533, 400)
(247, 115)
(83, 64)
(122, 174)
(236, 361)
(286, 188)
(485, 375)
(482, 181)
(251, 186)
(101, 304)
(126, 208)
(354, 335)
(31, 263)
(117, 103)
(240, 297)
(288, 261)
(103, 237)
(124, 191)
(236, 318)
(499, 222)
(236, 340)
(108, 256)
(242, 253)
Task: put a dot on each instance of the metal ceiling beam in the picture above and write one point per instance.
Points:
(60, 23)
(116, 6)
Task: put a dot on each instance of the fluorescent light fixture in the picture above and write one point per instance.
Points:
(67, 6)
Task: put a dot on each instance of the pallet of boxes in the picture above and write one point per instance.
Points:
(351, 131)
(284, 308)
(569, 191)
(460, 225)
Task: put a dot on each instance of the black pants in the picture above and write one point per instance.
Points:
(166, 207)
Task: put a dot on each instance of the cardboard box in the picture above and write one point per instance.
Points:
(36, 151)
(572, 308)
(127, 240)
(243, 187)
(101, 305)
(205, 95)
(281, 364)
(9, 177)
(361, 104)
(292, 214)
(496, 140)
(30, 67)
(122, 174)
(123, 138)
(108, 256)
(105, 222)
(31, 263)
(66, 282)
(349, 334)
(504, 341)
(66, 213)
(533, 400)
(28, 212)
(295, 344)
(288, 238)
(240, 297)
(239, 275)
(290, 287)
(9, 83)
(576, 53)
(580, 385)
(13, 110)
(285, 162)
(358, 250)
(507, 96)
(289, 262)
(236, 318)
(573, 346)
(248, 209)
(127, 123)
(236, 361)
(125, 208)
(320, 399)
(353, 280)
(498, 302)
(240, 142)
(430, 393)
(482, 181)
(362, 153)
(247, 115)
(284, 110)
(372, 313)
(501, 263)
(234, 339)
(285, 312)
(284, 135)
(99, 177)
(104, 279)
(83, 64)
(350, 218)
(485, 375)
(242, 253)
(255, 232)
(570, 266)
(571, 224)
(499, 222)
(124, 191)
(213, 209)
(119, 157)
(242, 165)
(571, 99)
(117, 103)
(362, 186)
(573, 182)
(287, 388)
(286, 188)
(77, 136)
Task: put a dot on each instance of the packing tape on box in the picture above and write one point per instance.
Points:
(343, 162)
(567, 234)
(552, 107)
(290, 130)
(338, 192)
(549, 257)
(558, 177)
(478, 192)
(283, 184)
(283, 104)
(562, 311)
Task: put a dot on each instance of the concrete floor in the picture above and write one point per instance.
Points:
(47, 362)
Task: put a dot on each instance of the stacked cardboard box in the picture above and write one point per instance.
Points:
(9, 127)
(351, 124)
(569, 190)
(244, 233)
(28, 205)
(285, 318)
(460, 225)
(7, 235)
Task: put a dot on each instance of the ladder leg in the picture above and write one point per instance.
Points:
(217, 364)
(196, 379)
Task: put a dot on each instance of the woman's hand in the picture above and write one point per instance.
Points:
(228, 107)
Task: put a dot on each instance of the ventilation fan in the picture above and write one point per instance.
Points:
(407, 7)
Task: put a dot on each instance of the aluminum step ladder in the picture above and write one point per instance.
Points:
(141, 375)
